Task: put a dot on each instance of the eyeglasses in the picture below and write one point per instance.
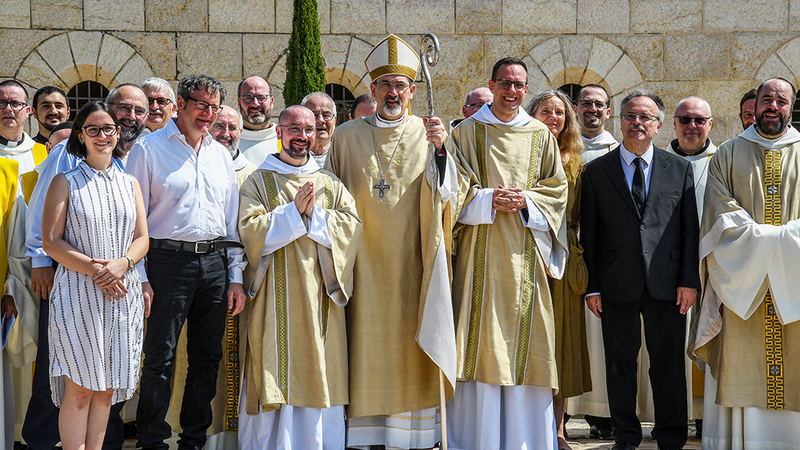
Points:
(387, 86)
(219, 126)
(297, 129)
(15, 105)
(94, 131)
(202, 106)
(686, 120)
(326, 115)
(126, 109)
(162, 102)
(506, 84)
(600, 105)
(247, 99)
(643, 118)
(475, 105)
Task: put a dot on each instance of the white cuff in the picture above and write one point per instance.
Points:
(536, 219)
(479, 210)
(318, 227)
(285, 226)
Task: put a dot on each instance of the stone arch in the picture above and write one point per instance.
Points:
(581, 59)
(67, 59)
(784, 63)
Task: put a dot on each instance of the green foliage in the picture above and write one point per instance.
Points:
(305, 68)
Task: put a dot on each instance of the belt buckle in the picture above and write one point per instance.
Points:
(206, 247)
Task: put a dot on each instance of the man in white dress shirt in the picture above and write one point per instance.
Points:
(192, 203)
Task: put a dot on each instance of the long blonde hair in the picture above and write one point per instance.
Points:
(569, 140)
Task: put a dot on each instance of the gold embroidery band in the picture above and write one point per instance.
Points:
(772, 326)
(529, 271)
(232, 374)
(479, 266)
(279, 268)
(326, 300)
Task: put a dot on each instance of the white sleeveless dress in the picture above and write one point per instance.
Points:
(95, 342)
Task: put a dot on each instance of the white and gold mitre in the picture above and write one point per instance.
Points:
(392, 56)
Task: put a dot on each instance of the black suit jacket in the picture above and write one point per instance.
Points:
(625, 252)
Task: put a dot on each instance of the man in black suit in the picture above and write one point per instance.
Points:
(639, 231)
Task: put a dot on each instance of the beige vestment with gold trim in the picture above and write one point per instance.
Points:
(749, 245)
(293, 331)
(506, 329)
(401, 298)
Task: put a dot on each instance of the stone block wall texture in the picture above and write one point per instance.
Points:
(716, 49)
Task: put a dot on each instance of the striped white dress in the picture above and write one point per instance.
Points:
(95, 342)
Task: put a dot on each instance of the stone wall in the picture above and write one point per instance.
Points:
(716, 49)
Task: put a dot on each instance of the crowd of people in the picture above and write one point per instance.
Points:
(392, 281)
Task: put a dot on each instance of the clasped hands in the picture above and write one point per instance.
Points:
(509, 199)
(304, 199)
(109, 276)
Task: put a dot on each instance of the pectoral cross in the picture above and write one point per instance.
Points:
(382, 185)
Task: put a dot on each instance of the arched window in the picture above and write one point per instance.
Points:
(83, 93)
(343, 99)
(572, 90)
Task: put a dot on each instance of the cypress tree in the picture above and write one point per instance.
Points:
(305, 68)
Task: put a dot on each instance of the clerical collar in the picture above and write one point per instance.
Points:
(274, 163)
(676, 146)
(40, 139)
(790, 137)
(485, 115)
(380, 122)
(8, 143)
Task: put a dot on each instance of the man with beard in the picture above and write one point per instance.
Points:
(226, 130)
(301, 235)
(50, 108)
(321, 104)
(747, 328)
(747, 109)
(593, 109)
(511, 236)
(194, 263)
(639, 231)
(406, 197)
(40, 429)
(258, 138)
(160, 102)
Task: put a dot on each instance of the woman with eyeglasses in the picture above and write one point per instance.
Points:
(554, 109)
(96, 230)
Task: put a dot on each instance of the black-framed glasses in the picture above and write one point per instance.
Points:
(162, 102)
(296, 130)
(202, 106)
(600, 105)
(94, 131)
(506, 84)
(643, 118)
(15, 105)
(387, 86)
(127, 108)
(248, 98)
(686, 120)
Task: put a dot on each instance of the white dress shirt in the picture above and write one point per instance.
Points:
(58, 161)
(629, 168)
(188, 196)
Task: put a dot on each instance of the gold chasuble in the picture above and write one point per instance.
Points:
(748, 328)
(399, 321)
(505, 328)
(293, 330)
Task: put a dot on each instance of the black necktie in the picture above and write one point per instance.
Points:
(637, 187)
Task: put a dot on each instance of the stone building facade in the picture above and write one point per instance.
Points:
(717, 49)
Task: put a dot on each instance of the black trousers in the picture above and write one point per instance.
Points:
(187, 288)
(665, 330)
(40, 429)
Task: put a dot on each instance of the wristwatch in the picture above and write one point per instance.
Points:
(130, 261)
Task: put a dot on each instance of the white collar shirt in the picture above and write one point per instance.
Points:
(629, 168)
(188, 196)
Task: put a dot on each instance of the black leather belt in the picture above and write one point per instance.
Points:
(201, 247)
